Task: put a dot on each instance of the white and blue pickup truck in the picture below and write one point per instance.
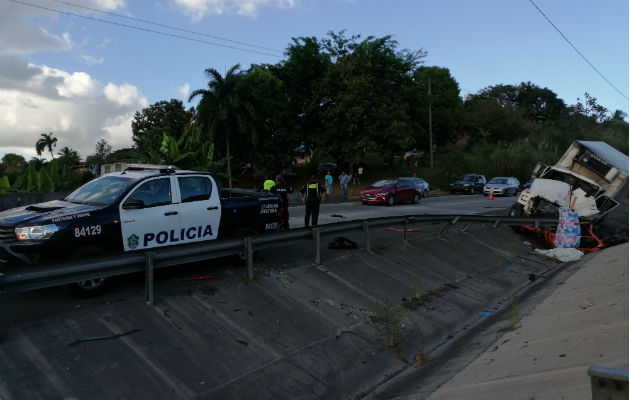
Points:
(143, 207)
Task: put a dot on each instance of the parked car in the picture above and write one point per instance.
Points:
(390, 191)
(469, 184)
(502, 186)
(421, 185)
(528, 183)
(325, 167)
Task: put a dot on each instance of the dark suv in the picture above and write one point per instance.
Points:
(469, 184)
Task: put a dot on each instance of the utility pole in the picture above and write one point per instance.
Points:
(430, 130)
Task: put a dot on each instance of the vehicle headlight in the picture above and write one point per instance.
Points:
(466, 184)
(36, 232)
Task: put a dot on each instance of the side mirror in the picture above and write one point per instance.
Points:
(133, 204)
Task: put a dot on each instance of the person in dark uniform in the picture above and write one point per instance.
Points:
(283, 189)
(312, 193)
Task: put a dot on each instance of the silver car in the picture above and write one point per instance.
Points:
(421, 185)
(502, 186)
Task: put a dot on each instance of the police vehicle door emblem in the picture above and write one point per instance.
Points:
(133, 241)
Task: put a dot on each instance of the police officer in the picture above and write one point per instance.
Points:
(283, 189)
(312, 193)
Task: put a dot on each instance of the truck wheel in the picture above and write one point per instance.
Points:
(89, 287)
(416, 198)
(471, 190)
(516, 211)
(390, 200)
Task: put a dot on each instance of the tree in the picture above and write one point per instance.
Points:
(161, 118)
(446, 106)
(12, 165)
(47, 141)
(102, 152)
(226, 108)
(363, 99)
(69, 156)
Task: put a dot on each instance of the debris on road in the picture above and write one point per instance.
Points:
(342, 243)
(94, 338)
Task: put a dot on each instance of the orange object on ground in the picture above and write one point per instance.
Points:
(550, 235)
(491, 197)
(402, 230)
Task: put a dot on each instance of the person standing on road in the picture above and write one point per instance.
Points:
(312, 193)
(344, 179)
(283, 189)
(329, 183)
(359, 174)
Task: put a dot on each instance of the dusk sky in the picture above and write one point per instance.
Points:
(64, 70)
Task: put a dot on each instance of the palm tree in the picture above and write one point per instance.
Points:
(226, 107)
(47, 141)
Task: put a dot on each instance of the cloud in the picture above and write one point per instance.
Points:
(198, 9)
(75, 107)
(91, 61)
(184, 91)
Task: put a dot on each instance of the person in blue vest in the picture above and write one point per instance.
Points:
(312, 194)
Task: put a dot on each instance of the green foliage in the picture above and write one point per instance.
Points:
(387, 316)
(5, 186)
(162, 118)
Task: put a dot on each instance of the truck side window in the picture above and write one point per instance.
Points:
(194, 188)
(153, 193)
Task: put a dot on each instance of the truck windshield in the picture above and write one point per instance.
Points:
(573, 181)
(100, 191)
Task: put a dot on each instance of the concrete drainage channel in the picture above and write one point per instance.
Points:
(340, 330)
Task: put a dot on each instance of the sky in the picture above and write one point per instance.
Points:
(63, 70)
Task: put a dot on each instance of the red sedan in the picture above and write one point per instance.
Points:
(390, 191)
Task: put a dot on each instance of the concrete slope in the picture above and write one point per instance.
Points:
(584, 322)
(296, 332)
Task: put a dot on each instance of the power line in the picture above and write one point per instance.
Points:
(578, 51)
(165, 26)
(143, 29)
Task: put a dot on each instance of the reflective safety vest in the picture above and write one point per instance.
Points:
(268, 185)
(312, 191)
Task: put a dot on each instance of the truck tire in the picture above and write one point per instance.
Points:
(471, 190)
(90, 287)
(390, 200)
(516, 211)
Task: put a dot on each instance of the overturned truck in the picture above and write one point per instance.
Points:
(590, 178)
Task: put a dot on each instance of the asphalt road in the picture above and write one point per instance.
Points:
(447, 204)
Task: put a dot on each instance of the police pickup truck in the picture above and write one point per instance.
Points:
(143, 207)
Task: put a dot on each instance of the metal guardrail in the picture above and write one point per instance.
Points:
(56, 274)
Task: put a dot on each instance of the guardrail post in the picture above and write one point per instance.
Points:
(366, 235)
(149, 296)
(249, 254)
(318, 252)
(405, 229)
(452, 222)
